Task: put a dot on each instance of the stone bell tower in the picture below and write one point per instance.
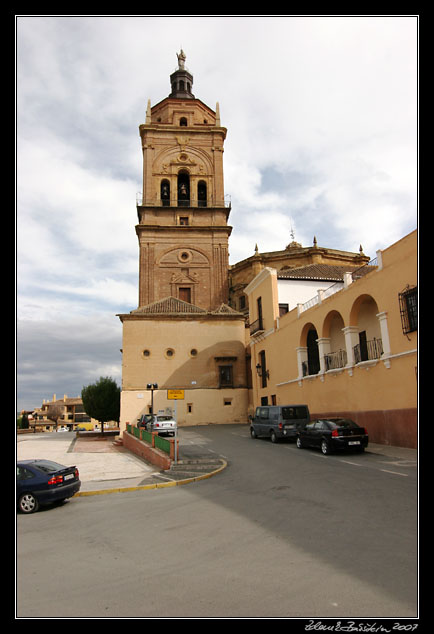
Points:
(182, 215)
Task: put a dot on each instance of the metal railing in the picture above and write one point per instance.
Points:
(368, 350)
(256, 326)
(362, 270)
(150, 437)
(335, 360)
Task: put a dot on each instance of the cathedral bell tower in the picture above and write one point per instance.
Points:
(182, 215)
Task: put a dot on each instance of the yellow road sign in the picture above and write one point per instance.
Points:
(175, 395)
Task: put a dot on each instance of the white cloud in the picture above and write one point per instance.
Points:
(321, 114)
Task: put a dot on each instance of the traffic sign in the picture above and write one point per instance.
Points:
(175, 395)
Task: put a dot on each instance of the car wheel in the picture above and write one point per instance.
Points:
(28, 503)
(299, 443)
(252, 433)
(273, 436)
(325, 447)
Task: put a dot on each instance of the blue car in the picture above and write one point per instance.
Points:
(44, 482)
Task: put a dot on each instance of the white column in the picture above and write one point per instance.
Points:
(323, 349)
(351, 339)
(348, 279)
(301, 357)
(382, 318)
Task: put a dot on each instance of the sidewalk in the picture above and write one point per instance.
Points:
(400, 453)
(107, 468)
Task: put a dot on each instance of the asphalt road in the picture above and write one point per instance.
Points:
(281, 532)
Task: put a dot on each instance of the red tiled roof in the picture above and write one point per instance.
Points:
(325, 272)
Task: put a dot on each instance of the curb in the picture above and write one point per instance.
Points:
(154, 485)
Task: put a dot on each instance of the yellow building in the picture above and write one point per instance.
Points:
(350, 350)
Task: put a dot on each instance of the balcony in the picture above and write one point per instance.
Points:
(256, 327)
(335, 360)
(368, 350)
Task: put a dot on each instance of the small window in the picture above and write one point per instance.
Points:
(227, 401)
(183, 221)
(189, 408)
(408, 309)
(283, 309)
(225, 376)
(146, 353)
(170, 352)
(183, 120)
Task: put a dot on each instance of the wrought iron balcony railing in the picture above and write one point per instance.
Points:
(368, 350)
(335, 360)
(256, 327)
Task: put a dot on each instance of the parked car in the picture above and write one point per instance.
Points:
(144, 420)
(44, 482)
(279, 421)
(330, 434)
(63, 428)
(160, 423)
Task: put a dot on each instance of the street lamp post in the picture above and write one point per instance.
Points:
(152, 387)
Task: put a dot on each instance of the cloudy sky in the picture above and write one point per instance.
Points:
(321, 113)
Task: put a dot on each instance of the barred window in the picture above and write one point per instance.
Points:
(408, 309)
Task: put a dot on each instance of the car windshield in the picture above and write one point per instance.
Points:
(294, 413)
(48, 466)
(341, 422)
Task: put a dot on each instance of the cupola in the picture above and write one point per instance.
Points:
(181, 80)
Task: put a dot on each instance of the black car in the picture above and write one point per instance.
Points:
(44, 482)
(331, 434)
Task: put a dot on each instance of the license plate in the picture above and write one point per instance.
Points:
(69, 476)
(354, 442)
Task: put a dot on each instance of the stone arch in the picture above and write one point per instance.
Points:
(362, 307)
(175, 256)
(333, 346)
(309, 341)
(183, 187)
(364, 320)
(329, 323)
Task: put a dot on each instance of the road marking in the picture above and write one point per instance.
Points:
(356, 464)
(394, 472)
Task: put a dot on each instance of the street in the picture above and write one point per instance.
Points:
(281, 532)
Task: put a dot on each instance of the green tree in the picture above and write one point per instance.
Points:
(23, 422)
(101, 400)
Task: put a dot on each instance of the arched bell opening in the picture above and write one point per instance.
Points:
(201, 194)
(183, 189)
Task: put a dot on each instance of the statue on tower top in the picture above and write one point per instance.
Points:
(181, 59)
